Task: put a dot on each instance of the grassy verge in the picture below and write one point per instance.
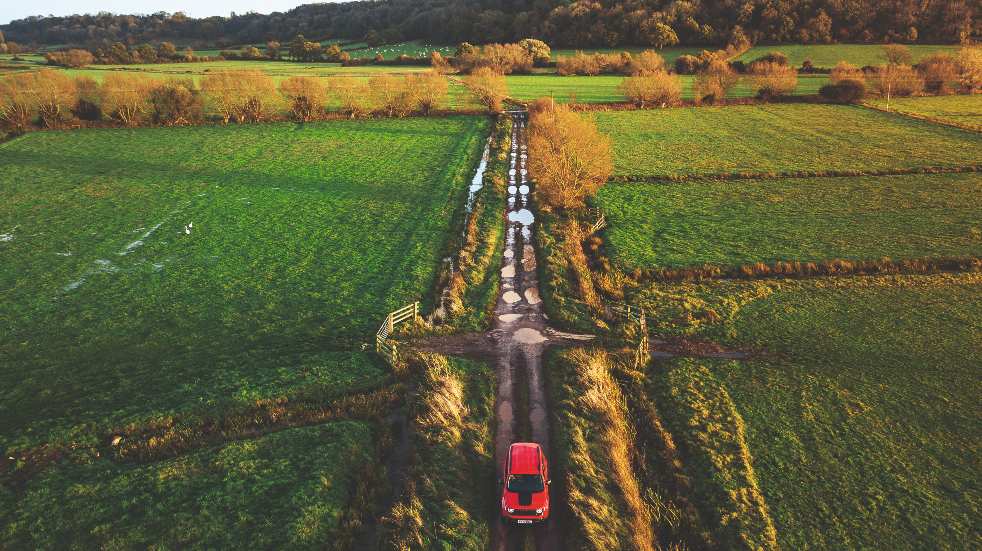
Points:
(448, 495)
(299, 488)
(568, 292)
(711, 434)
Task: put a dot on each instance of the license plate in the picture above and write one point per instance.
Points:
(520, 521)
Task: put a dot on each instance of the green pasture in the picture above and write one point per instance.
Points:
(828, 55)
(290, 489)
(779, 139)
(959, 110)
(731, 223)
(301, 238)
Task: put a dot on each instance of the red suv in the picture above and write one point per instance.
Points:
(525, 496)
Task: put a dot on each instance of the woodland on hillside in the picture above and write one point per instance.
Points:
(562, 23)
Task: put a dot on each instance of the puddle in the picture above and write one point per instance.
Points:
(477, 182)
(528, 263)
(509, 254)
(512, 190)
(523, 189)
(511, 297)
(524, 217)
(68, 253)
(527, 335)
(509, 318)
(508, 271)
(532, 295)
(5, 237)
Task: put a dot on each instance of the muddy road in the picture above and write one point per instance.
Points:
(520, 334)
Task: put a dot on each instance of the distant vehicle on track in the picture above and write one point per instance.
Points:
(525, 489)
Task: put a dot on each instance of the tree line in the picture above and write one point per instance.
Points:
(580, 23)
(52, 99)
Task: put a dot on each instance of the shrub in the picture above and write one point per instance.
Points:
(687, 64)
(353, 96)
(390, 94)
(305, 97)
(578, 64)
(897, 54)
(56, 95)
(846, 71)
(175, 102)
(568, 157)
(429, 91)
(501, 58)
(489, 87)
(844, 91)
(125, 97)
(18, 102)
(773, 79)
(940, 73)
(714, 82)
(439, 63)
(70, 58)
(648, 62)
(538, 50)
(246, 96)
(652, 88)
(897, 80)
(970, 68)
(778, 58)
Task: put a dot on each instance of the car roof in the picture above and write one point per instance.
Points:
(524, 458)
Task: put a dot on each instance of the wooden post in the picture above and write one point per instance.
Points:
(390, 324)
(416, 310)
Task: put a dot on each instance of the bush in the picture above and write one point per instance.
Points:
(846, 71)
(687, 64)
(73, 58)
(246, 96)
(940, 73)
(305, 97)
(125, 97)
(897, 80)
(578, 64)
(175, 102)
(489, 87)
(648, 62)
(970, 68)
(504, 59)
(389, 94)
(538, 50)
(652, 88)
(56, 96)
(777, 58)
(569, 159)
(714, 82)
(429, 91)
(844, 91)
(772, 79)
(18, 103)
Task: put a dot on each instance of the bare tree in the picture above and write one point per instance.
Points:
(56, 95)
(353, 96)
(897, 80)
(771, 79)
(305, 96)
(18, 101)
(246, 96)
(125, 97)
(391, 95)
(175, 102)
(428, 91)
(569, 158)
(845, 71)
(970, 68)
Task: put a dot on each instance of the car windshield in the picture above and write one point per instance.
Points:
(525, 483)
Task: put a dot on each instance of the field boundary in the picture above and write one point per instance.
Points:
(724, 176)
(635, 314)
(828, 268)
(923, 118)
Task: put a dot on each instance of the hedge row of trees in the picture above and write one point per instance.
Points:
(561, 22)
(52, 99)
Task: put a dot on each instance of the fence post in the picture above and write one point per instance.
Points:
(390, 324)
(416, 311)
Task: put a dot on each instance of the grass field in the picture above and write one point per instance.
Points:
(603, 88)
(778, 139)
(959, 110)
(828, 55)
(805, 219)
(669, 54)
(391, 51)
(302, 238)
(289, 489)
(860, 403)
